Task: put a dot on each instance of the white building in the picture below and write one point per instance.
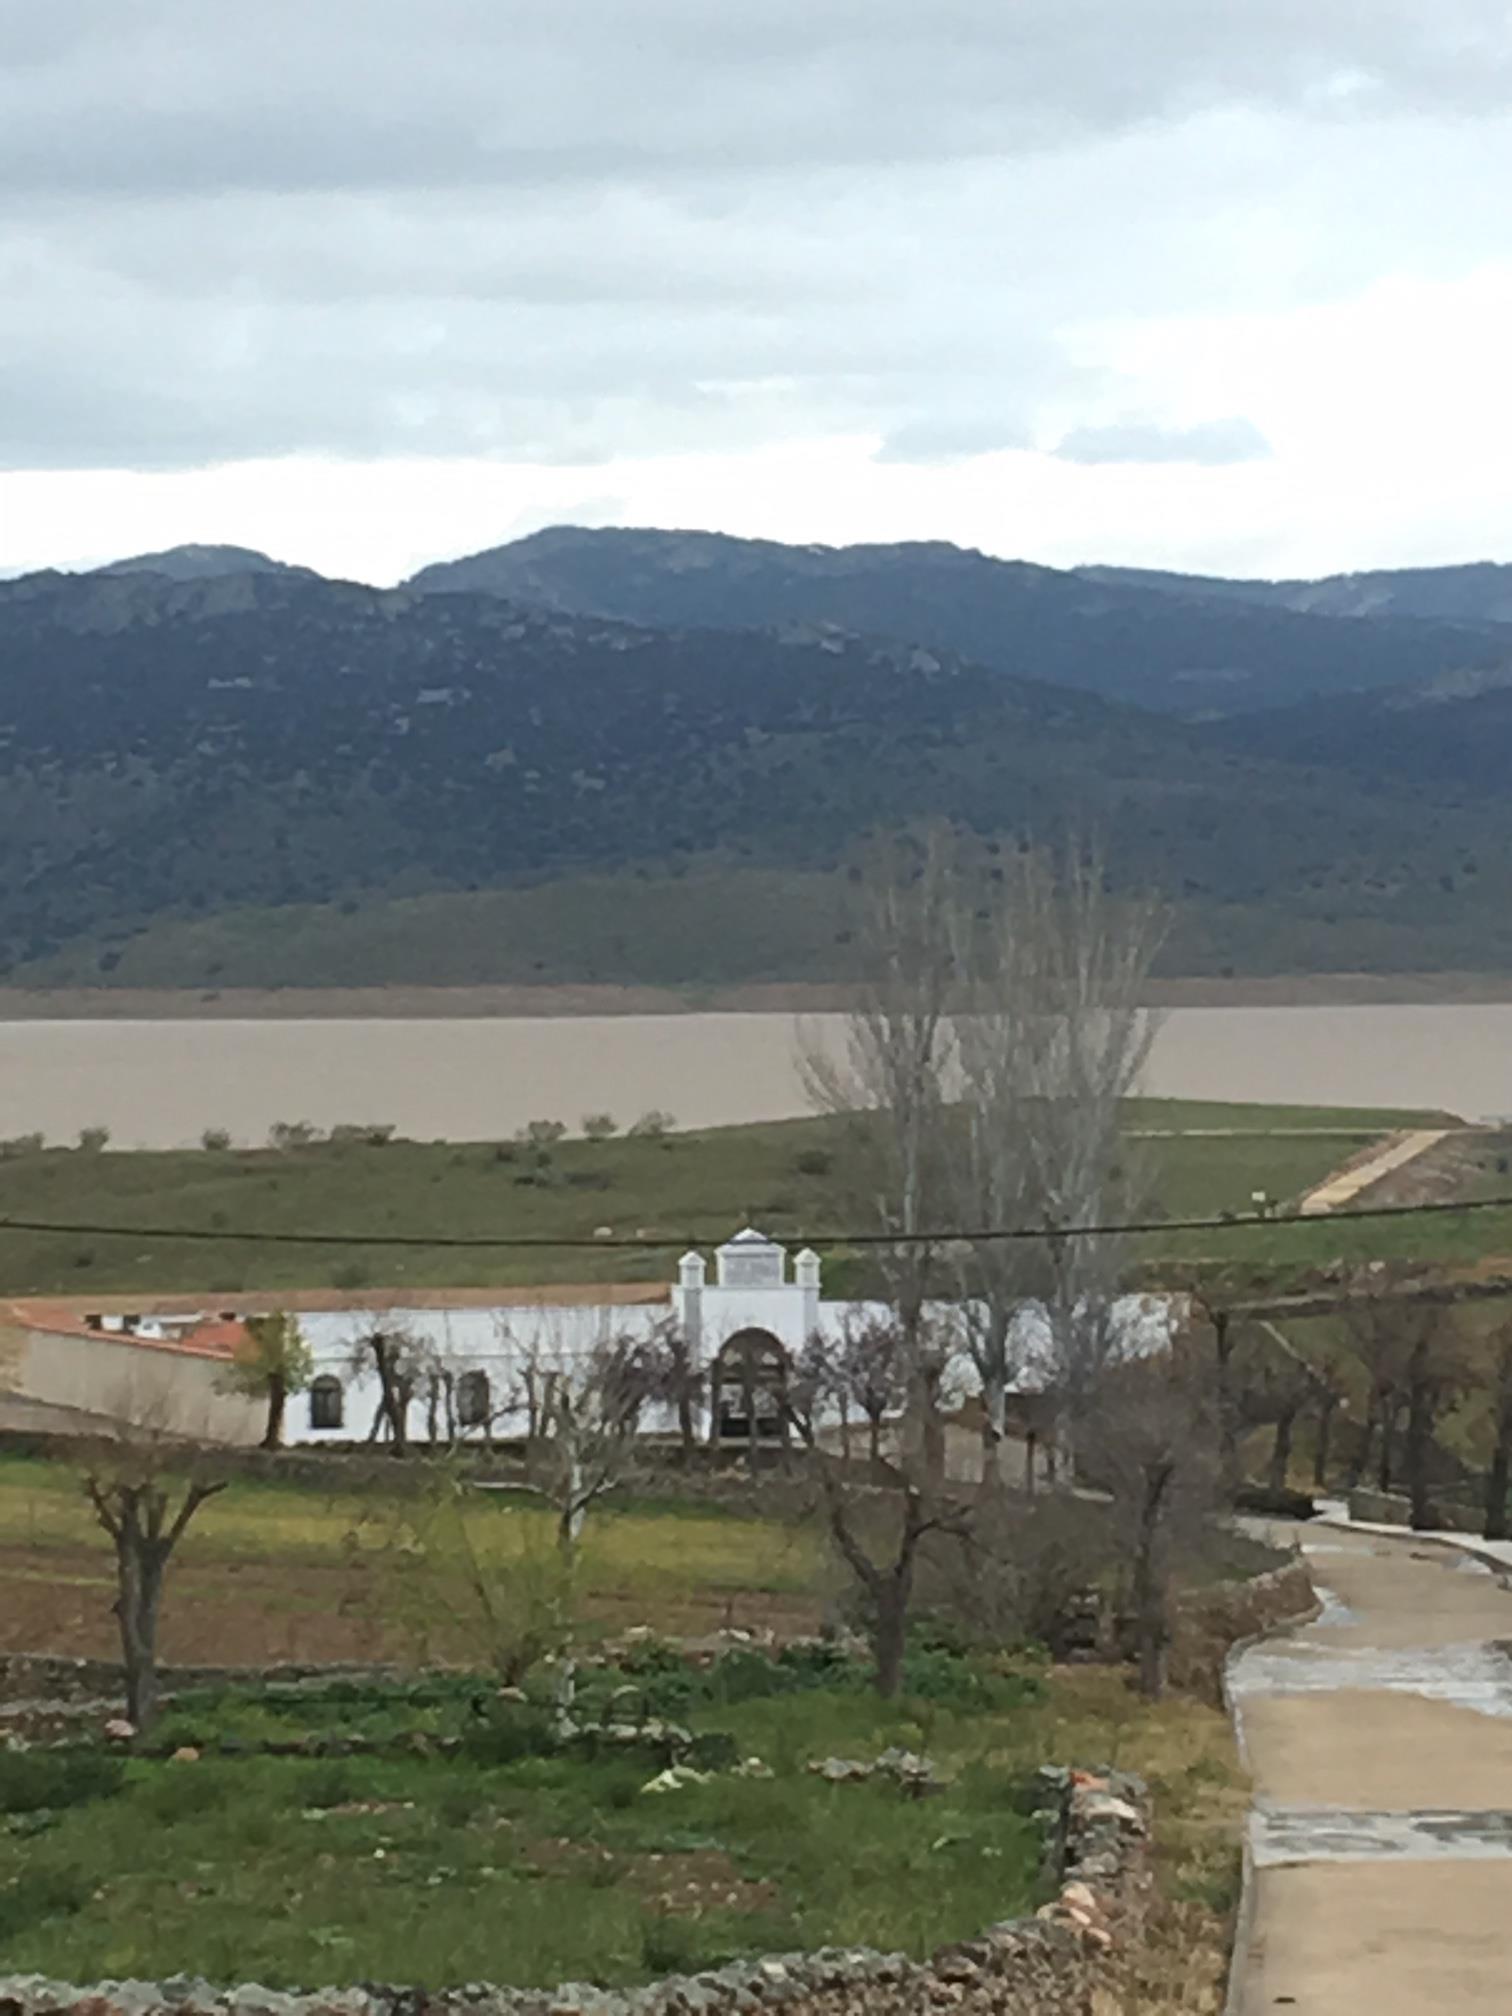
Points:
(478, 1357)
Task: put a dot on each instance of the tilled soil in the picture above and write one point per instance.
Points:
(262, 1612)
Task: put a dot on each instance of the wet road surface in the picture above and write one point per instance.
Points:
(1380, 1739)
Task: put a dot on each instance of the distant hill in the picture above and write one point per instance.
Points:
(1450, 738)
(1476, 594)
(321, 765)
(201, 563)
(1225, 652)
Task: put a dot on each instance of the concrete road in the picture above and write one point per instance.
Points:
(1380, 1739)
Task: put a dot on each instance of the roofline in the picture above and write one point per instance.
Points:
(41, 1310)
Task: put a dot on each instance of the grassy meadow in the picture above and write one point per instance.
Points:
(790, 1177)
(532, 1869)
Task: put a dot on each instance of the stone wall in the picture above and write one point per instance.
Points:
(1061, 1962)
(1388, 1508)
(1210, 1622)
(44, 1676)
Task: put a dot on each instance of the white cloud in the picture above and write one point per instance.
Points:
(685, 257)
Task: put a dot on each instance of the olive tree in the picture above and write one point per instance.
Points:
(272, 1363)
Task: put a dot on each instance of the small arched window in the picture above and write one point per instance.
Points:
(326, 1402)
(474, 1400)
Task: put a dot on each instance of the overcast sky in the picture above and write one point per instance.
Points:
(1220, 284)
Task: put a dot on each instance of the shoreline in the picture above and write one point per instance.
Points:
(517, 1003)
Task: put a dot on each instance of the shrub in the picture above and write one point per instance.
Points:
(293, 1134)
(362, 1134)
(651, 1126)
(216, 1140)
(184, 1792)
(600, 1126)
(34, 1781)
(509, 1732)
(933, 1674)
(670, 1946)
(22, 1144)
(92, 1140)
(37, 1894)
(329, 1785)
(542, 1133)
(714, 1750)
(814, 1162)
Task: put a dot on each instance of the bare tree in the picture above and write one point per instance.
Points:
(1150, 1437)
(893, 1077)
(1382, 1329)
(679, 1381)
(589, 1425)
(1500, 1473)
(992, 1162)
(861, 1368)
(1437, 1368)
(145, 1490)
(400, 1360)
(1083, 960)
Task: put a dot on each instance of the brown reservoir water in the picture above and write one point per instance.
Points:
(159, 1084)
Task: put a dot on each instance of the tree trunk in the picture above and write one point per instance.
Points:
(1280, 1462)
(140, 1585)
(1419, 1441)
(1386, 1469)
(687, 1434)
(573, 1510)
(994, 1433)
(1151, 1596)
(874, 1441)
(890, 1637)
(1228, 1427)
(278, 1394)
(1496, 1484)
(1031, 1452)
(1363, 1452)
(1322, 1448)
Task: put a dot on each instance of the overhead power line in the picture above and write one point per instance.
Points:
(669, 1242)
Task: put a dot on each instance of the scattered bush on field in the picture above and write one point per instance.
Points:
(93, 1140)
(814, 1162)
(542, 1133)
(37, 1894)
(651, 1126)
(600, 1126)
(180, 1792)
(20, 1145)
(35, 1781)
(362, 1134)
(216, 1140)
(293, 1134)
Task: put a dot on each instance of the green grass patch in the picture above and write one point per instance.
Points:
(545, 1868)
(791, 1177)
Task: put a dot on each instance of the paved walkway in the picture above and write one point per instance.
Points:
(1380, 1739)
(1394, 1153)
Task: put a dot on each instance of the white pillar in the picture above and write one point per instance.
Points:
(806, 1278)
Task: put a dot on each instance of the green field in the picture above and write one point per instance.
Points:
(436, 1872)
(694, 1188)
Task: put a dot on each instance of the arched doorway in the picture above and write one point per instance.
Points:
(750, 1390)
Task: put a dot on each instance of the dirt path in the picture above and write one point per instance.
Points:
(1391, 1156)
(1380, 1739)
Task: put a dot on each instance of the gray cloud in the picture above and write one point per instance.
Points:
(175, 96)
(629, 227)
(1212, 443)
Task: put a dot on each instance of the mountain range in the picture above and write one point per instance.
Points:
(645, 756)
